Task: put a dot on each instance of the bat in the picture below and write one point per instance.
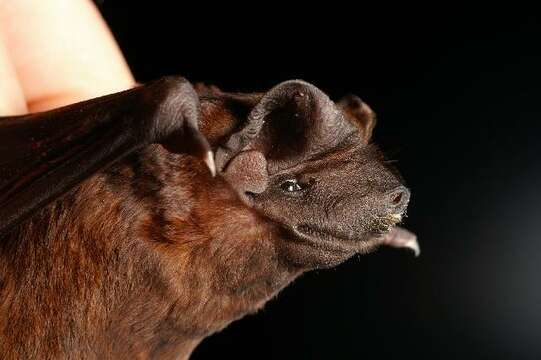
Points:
(136, 224)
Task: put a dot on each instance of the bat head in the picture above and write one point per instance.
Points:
(307, 164)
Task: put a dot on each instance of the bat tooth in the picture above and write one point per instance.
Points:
(209, 160)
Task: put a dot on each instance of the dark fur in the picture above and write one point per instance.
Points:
(148, 257)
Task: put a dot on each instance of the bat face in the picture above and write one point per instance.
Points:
(334, 206)
(312, 169)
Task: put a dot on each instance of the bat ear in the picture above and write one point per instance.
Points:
(291, 122)
(360, 114)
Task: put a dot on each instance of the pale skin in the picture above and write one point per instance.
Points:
(54, 53)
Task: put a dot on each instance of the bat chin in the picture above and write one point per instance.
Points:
(332, 247)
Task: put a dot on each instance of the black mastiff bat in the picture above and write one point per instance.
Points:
(134, 225)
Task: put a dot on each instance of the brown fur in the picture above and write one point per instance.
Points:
(123, 266)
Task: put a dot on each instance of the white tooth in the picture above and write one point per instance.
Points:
(209, 160)
(413, 245)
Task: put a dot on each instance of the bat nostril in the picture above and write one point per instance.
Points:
(398, 199)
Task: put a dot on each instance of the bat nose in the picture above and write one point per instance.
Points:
(397, 199)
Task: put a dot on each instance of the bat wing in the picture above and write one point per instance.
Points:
(44, 155)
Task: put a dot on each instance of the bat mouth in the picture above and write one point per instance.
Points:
(379, 227)
(383, 231)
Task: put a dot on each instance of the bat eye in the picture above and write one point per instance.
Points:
(293, 185)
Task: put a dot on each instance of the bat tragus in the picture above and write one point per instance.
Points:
(136, 224)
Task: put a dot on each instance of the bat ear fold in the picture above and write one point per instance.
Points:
(247, 173)
(360, 114)
(291, 122)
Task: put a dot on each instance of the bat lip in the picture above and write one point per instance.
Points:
(351, 242)
(337, 242)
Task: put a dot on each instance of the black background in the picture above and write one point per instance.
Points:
(457, 92)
